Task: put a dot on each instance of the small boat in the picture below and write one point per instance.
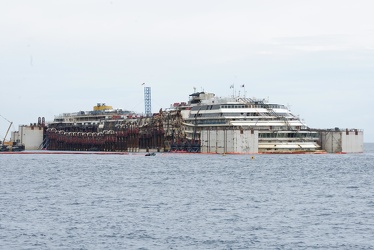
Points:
(150, 154)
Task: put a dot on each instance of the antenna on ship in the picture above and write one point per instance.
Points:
(244, 93)
(147, 101)
(233, 90)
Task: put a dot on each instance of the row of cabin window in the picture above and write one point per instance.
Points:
(272, 106)
(288, 135)
(236, 114)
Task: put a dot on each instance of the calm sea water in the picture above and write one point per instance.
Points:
(187, 201)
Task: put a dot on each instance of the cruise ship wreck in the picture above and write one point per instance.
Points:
(230, 125)
(204, 124)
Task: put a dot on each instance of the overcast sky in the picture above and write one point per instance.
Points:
(66, 56)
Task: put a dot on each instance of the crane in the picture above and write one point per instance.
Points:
(10, 124)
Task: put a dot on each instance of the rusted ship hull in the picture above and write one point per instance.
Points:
(161, 132)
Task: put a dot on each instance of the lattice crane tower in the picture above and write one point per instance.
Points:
(147, 101)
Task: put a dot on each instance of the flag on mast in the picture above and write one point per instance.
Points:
(232, 86)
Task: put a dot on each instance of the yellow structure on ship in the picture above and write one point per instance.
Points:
(102, 106)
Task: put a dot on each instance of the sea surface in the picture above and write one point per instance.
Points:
(187, 201)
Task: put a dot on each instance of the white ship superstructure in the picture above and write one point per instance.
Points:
(278, 129)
